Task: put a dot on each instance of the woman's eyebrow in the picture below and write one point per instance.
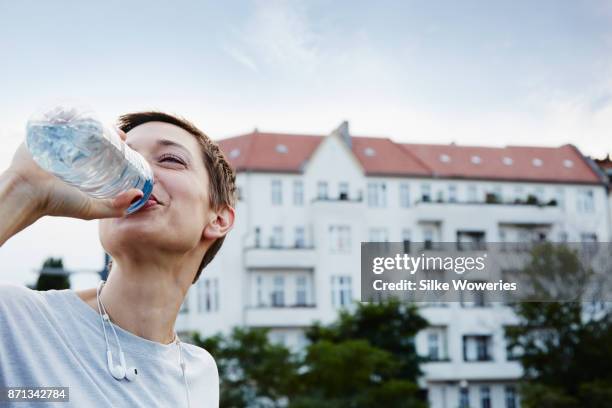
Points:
(168, 142)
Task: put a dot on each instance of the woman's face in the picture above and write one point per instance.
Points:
(177, 222)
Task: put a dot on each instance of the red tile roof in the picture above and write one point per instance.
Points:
(528, 163)
(261, 152)
(277, 152)
(380, 156)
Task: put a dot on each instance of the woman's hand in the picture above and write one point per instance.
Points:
(51, 196)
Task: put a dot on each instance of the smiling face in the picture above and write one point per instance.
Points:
(177, 221)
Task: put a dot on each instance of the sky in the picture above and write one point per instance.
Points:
(471, 72)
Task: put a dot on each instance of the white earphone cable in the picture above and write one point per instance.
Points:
(102, 312)
(112, 327)
(183, 367)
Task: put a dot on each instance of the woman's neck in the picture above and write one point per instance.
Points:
(145, 303)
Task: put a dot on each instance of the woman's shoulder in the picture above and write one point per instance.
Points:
(11, 293)
(199, 355)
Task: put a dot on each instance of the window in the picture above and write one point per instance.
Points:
(301, 291)
(539, 194)
(428, 238)
(208, 295)
(259, 291)
(343, 191)
(378, 235)
(586, 203)
(276, 241)
(341, 291)
(404, 195)
(406, 239)
(377, 194)
(476, 348)
(472, 194)
(498, 192)
(464, 397)
(300, 240)
(519, 194)
(322, 190)
(474, 298)
(511, 397)
(433, 346)
(452, 193)
(340, 239)
(485, 397)
(277, 192)
(560, 198)
(215, 285)
(257, 237)
(298, 193)
(278, 338)
(278, 293)
(426, 193)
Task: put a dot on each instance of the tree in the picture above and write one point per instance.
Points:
(253, 371)
(367, 358)
(352, 374)
(52, 276)
(566, 347)
(389, 326)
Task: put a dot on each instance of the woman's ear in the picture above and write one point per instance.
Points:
(220, 224)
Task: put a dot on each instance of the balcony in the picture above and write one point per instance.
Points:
(297, 316)
(507, 213)
(280, 257)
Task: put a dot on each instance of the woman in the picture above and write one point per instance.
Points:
(115, 345)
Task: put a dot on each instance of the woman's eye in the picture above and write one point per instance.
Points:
(172, 159)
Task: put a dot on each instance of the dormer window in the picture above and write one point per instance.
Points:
(281, 148)
(368, 151)
(476, 159)
(234, 153)
(508, 161)
(537, 162)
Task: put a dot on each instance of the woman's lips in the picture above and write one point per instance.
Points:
(149, 204)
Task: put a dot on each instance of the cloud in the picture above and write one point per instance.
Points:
(278, 34)
(240, 57)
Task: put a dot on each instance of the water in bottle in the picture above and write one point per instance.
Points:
(73, 145)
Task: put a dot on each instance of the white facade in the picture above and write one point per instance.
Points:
(294, 257)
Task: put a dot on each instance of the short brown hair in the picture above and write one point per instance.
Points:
(221, 174)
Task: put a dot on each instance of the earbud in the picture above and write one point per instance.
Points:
(131, 373)
(117, 371)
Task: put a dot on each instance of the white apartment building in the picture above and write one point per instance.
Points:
(307, 202)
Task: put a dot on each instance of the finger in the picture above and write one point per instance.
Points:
(115, 207)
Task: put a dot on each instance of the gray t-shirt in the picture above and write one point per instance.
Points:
(55, 339)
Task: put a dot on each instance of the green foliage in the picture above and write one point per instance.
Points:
(365, 359)
(253, 372)
(52, 281)
(390, 326)
(566, 346)
(352, 373)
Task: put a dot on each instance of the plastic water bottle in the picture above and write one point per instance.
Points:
(73, 145)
